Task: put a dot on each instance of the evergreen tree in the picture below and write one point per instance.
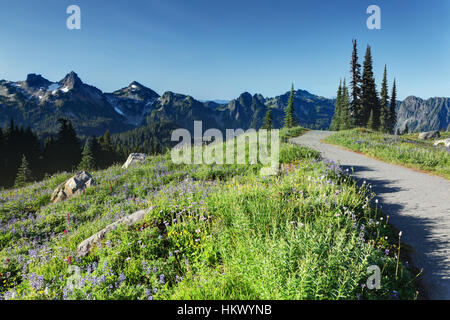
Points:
(289, 120)
(369, 97)
(23, 174)
(336, 121)
(384, 108)
(345, 118)
(406, 131)
(393, 109)
(96, 151)
(69, 146)
(267, 123)
(371, 121)
(355, 105)
(88, 161)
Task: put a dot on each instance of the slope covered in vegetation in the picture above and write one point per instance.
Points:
(216, 232)
(405, 150)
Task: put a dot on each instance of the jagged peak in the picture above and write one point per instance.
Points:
(136, 85)
(71, 80)
(37, 81)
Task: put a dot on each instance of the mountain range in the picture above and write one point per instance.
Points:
(424, 115)
(38, 103)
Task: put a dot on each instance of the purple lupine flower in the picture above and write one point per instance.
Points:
(395, 294)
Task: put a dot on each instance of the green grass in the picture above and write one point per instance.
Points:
(217, 232)
(404, 150)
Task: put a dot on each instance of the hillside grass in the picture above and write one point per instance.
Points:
(406, 150)
(217, 232)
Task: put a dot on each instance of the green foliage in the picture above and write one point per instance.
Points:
(369, 96)
(393, 110)
(355, 105)
(399, 150)
(342, 118)
(23, 174)
(87, 161)
(384, 106)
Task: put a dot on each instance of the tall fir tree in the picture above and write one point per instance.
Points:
(289, 119)
(346, 119)
(393, 109)
(335, 122)
(23, 174)
(355, 84)
(69, 146)
(88, 160)
(371, 122)
(267, 123)
(384, 104)
(369, 97)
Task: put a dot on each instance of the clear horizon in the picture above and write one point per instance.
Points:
(216, 51)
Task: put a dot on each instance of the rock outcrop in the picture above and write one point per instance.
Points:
(72, 187)
(134, 159)
(86, 246)
(445, 142)
(424, 115)
(429, 135)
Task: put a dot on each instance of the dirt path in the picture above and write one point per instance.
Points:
(418, 204)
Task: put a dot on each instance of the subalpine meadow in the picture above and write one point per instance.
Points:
(216, 232)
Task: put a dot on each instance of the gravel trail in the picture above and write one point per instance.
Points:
(418, 204)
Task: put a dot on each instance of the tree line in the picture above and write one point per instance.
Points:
(25, 158)
(361, 105)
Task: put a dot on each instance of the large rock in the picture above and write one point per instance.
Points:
(134, 159)
(445, 142)
(86, 246)
(72, 187)
(429, 135)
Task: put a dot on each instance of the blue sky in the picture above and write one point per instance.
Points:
(219, 49)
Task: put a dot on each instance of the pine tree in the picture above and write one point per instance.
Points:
(355, 105)
(88, 161)
(289, 120)
(384, 109)
(346, 120)
(267, 123)
(371, 121)
(369, 97)
(23, 174)
(393, 109)
(336, 121)
(68, 145)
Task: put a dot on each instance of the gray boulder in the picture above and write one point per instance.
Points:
(134, 159)
(429, 135)
(445, 142)
(86, 246)
(72, 187)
